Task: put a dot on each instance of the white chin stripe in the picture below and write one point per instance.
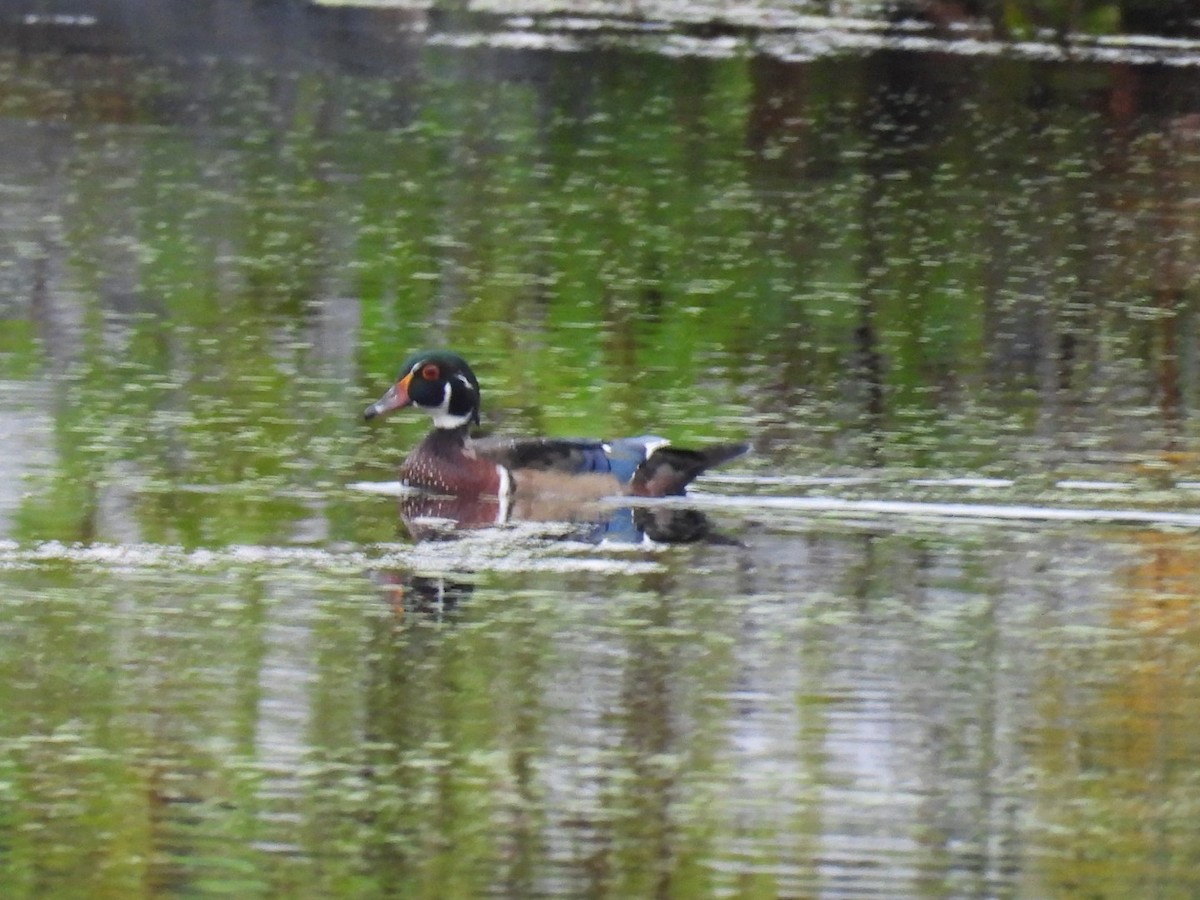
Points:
(443, 418)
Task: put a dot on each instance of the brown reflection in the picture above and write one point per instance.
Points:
(1174, 269)
(1153, 161)
(777, 125)
(1121, 736)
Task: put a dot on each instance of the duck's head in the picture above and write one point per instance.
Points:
(439, 382)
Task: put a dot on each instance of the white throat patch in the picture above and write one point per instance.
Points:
(443, 418)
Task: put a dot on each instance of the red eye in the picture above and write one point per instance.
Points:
(431, 372)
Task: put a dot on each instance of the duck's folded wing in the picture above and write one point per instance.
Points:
(620, 457)
(572, 455)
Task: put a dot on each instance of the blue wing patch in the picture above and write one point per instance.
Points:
(626, 454)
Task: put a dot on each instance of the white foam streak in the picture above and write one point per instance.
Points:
(386, 488)
(804, 38)
(979, 512)
(485, 550)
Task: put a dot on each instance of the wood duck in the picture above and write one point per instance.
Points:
(448, 461)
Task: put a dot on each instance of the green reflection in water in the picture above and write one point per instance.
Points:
(268, 728)
(856, 265)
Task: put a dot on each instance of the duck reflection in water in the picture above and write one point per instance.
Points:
(446, 518)
(435, 597)
(429, 517)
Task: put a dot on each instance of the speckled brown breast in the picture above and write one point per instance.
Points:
(441, 464)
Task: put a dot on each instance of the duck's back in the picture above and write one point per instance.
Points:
(644, 465)
(571, 456)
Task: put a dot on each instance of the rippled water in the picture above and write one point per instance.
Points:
(935, 636)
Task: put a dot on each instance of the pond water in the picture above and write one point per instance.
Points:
(936, 636)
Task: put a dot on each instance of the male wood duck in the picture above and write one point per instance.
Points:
(448, 461)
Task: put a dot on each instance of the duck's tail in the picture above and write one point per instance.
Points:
(669, 470)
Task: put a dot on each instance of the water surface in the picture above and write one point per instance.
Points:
(935, 636)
